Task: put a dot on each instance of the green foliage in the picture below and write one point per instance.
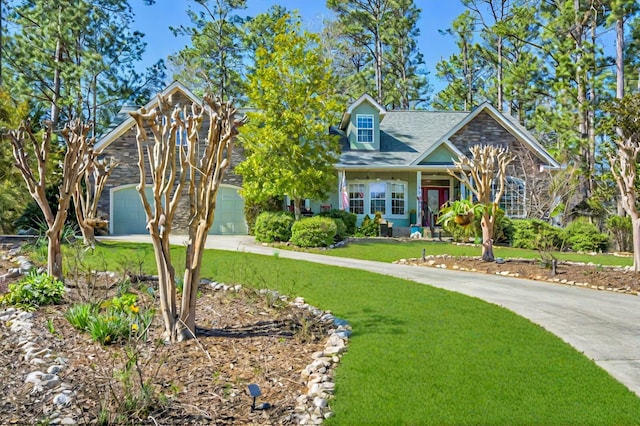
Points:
(349, 219)
(288, 148)
(313, 232)
(581, 235)
(96, 68)
(341, 230)
(115, 320)
(213, 61)
(369, 227)
(34, 290)
(253, 208)
(619, 228)
(272, 227)
(461, 219)
(535, 234)
(81, 315)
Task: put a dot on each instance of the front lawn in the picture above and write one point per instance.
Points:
(423, 355)
(389, 250)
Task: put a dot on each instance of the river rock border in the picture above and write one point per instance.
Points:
(432, 261)
(44, 381)
(312, 406)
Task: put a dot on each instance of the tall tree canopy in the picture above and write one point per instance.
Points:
(213, 62)
(377, 51)
(73, 58)
(289, 150)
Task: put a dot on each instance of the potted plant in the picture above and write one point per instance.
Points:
(460, 212)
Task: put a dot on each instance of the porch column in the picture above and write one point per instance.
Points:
(418, 198)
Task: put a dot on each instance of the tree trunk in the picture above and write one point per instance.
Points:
(635, 224)
(487, 238)
(54, 258)
(193, 264)
(166, 284)
(88, 231)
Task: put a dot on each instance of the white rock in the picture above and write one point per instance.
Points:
(320, 402)
(34, 377)
(334, 350)
(317, 355)
(62, 400)
(54, 369)
(68, 421)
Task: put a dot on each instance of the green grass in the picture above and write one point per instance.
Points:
(423, 355)
(383, 250)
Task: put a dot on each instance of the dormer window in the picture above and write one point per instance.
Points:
(364, 122)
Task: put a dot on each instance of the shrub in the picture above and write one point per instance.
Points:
(252, 210)
(315, 231)
(341, 230)
(35, 290)
(619, 228)
(369, 227)
(349, 219)
(272, 227)
(535, 234)
(581, 235)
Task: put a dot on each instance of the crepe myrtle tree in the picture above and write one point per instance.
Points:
(174, 170)
(87, 194)
(623, 127)
(31, 152)
(483, 171)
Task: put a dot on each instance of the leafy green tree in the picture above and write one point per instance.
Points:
(288, 147)
(213, 63)
(13, 195)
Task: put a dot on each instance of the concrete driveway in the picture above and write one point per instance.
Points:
(605, 326)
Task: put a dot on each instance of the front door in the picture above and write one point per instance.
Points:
(432, 199)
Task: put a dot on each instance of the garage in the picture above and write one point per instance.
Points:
(128, 217)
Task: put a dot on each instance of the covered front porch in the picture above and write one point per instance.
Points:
(403, 197)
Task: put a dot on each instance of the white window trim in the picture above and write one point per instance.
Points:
(373, 125)
(367, 198)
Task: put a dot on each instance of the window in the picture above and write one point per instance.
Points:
(181, 137)
(356, 198)
(378, 197)
(364, 123)
(513, 199)
(397, 198)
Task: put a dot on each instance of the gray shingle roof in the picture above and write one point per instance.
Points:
(404, 136)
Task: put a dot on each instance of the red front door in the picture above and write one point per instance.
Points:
(432, 199)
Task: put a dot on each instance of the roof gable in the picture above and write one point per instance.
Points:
(362, 99)
(129, 122)
(514, 128)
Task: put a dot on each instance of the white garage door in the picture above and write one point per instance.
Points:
(128, 217)
(229, 216)
(127, 212)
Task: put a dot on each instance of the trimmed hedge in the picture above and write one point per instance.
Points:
(315, 231)
(581, 235)
(349, 219)
(271, 227)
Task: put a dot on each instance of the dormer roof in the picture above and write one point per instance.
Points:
(362, 99)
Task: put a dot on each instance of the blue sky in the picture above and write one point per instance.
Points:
(155, 20)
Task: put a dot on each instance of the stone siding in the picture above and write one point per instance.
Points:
(125, 150)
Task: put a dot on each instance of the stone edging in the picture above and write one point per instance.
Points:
(431, 261)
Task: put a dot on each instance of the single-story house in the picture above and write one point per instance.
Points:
(395, 162)
(392, 162)
(120, 200)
